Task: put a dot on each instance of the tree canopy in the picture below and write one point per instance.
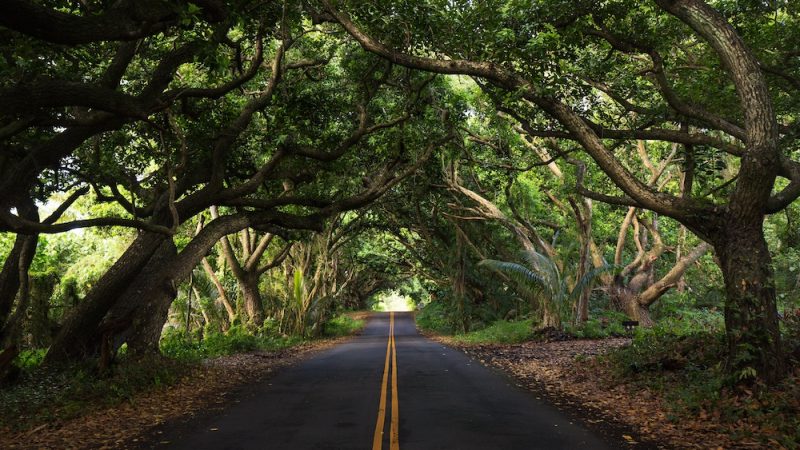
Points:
(279, 161)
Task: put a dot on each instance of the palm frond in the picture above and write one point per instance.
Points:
(588, 279)
(530, 282)
(548, 271)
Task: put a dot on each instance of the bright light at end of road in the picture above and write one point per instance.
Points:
(393, 301)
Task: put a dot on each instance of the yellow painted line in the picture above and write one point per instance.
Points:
(377, 438)
(394, 433)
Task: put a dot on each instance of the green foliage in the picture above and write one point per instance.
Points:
(542, 281)
(435, 317)
(688, 371)
(787, 277)
(790, 326)
(30, 359)
(654, 348)
(175, 344)
(679, 314)
(342, 325)
(603, 325)
(44, 396)
(499, 332)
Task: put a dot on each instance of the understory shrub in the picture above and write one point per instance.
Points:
(602, 324)
(499, 332)
(434, 317)
(342, 325)
(175, 344)
(43, 395)
(687, 370)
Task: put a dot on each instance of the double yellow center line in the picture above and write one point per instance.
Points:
(394, 429)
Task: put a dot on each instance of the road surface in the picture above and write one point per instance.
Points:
(389, 388)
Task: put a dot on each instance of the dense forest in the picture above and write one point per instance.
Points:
(178, 171)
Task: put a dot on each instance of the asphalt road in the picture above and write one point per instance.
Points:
(433, 398)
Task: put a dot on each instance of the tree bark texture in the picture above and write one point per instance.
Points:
(152, 293)
(751, 318)
(14, 278)
(75, 338)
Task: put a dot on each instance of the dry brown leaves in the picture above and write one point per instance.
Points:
(207, 386)
(565, 372)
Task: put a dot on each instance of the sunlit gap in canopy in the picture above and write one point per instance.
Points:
(392, 301)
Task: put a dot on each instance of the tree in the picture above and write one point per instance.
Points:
(247, 269)
(733, 228)
(218, 147)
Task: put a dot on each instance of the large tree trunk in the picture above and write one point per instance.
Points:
(16, 266)
(77, 337)
(253, 304)
(15, 285)
(9, 276)
(629, 301)
(140, 312)
(751, 319)
(154, 290)
(15, 280)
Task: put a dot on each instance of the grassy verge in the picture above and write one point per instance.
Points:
(175, 345)
(499, 332)
(513, 332)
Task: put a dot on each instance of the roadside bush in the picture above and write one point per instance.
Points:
(434, 317)
(499, 332)
(46, 395)
(175, 344)
(659, 348)
(603, 324)
(30, 359)
(686, 369)
(342, 325)
(684, 314)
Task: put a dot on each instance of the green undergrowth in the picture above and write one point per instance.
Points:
(683, 364)
(603, 324)
(342, 325)
(435, 318)
(177, 345)
(499, 332)
(46, 395)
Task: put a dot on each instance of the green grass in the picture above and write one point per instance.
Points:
(499, 332)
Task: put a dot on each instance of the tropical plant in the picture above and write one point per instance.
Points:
(543, 283)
